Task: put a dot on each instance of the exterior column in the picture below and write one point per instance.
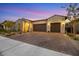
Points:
(30, 27)
(48, 26)
(16, 26)
(22, 26)
(62, 28)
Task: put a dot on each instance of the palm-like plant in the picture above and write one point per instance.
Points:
(8, 24)
(73, 13)
(72, 10)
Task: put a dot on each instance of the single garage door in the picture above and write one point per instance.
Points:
(39, 27)
(55, 27)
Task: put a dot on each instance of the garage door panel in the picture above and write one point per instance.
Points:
(55, 27)
(39, 27)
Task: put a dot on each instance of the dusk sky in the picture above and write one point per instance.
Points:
(32, 11)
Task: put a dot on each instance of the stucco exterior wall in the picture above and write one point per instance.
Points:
(62, 27)
(48, 26)
(40, 22)
(30, 27)
(53, 19)
(57, 19)
(17, 24)
(25, 26)
(22, 25)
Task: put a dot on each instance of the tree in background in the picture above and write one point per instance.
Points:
(72, 15)
(8, 25)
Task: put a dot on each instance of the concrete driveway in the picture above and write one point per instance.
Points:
(53, 41)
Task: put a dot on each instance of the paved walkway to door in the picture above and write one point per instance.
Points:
(53, 41)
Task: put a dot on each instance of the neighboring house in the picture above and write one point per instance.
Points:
(55, 23)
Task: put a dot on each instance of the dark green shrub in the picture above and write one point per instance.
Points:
(76, 38)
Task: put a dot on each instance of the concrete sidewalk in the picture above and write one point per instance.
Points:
(9, 47)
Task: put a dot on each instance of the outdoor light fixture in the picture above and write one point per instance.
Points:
(28, 24)
(67, 21)
(63, 22)
(48, 24)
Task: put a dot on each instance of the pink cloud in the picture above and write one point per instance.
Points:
(35, 12)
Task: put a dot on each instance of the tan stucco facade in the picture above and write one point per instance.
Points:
(58, 19)
(24, 25)
(27, 26)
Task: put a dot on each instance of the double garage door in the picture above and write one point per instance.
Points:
(39, 27)
(55, 27)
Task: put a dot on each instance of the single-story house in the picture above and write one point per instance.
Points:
(54, 23)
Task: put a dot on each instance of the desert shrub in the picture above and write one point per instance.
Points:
(70, 34)
(76, 38)
(73, 36)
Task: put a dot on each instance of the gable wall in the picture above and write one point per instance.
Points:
(39, 22)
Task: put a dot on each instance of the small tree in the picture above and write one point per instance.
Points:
(8, 25)
(73, 12)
